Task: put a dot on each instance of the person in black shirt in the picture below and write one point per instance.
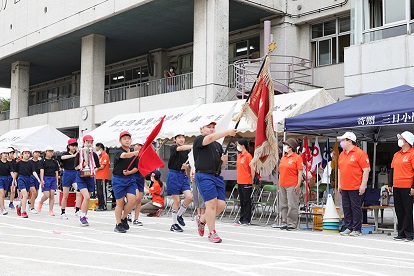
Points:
(49, 174)
(6, 171)
(123, 181)
(12, 183)
(86, 184)
(177, 180)
(23, 170)
(69, 175)
(208, 157)
(34, 184)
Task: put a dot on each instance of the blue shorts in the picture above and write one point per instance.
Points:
(210, 186)
(4, 183)
(139, 181)
(34, 182)
(23, 183)
(9, 180)
(68, 178)
(177, 182)
(123, 185)
(50, 183)
(87, 182)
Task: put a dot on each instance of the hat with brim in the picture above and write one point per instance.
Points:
(36, 150)
(124, 133)
(348, 135)
(24, 150)
(407, 136)
(292, 143)
(50, 148)
(206, 123)
(137, 141)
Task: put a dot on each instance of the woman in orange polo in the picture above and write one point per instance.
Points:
(244, 180)
(290, 178)
(401, 181)
(353, 172)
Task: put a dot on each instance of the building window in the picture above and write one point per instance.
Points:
(185, 63)
(329, 40)
(380, 19)
(246, 49)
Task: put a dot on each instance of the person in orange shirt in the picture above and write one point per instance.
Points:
(402, 185)
(353, 172)
(290, 178)
(153, 207)
(102, 176)
(245, 175)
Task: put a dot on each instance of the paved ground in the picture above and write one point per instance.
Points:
(49, 246)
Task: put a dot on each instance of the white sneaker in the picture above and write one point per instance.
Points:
(63, 216)
(33, 211)
(4, 212)
(77, 213)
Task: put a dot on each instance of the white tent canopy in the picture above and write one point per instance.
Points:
(221, 113)
(289, 105)
(188, 118)
(35, 137)
(139, 125)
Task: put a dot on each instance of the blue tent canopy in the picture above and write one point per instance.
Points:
(376, 117)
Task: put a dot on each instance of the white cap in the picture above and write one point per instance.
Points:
(10, 150)
(408, 136)
(206, 123)
(49, 148)
(4, 151)
(138, 141)
(25, 149)
(348, 135)
(36, 149)
(179, 132)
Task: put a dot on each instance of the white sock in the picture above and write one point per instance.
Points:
(82, 215)
(182, 210)
(174, 216)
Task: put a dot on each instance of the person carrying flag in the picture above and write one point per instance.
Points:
(123, 181)
(208, 156)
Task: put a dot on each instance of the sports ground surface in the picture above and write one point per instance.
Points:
(45, 245)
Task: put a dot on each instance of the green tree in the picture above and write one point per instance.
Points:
(4, 104)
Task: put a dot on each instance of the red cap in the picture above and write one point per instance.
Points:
(72, 141)
(123, 133)
(87, 138)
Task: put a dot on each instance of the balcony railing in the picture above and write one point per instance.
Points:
(56, 105)
(150, 88)
(389, 30)
(284, 71)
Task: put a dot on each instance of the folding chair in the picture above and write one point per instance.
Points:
(267, 202)
(231, 200)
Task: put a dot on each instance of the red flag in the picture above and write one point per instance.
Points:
(306, 154)
(307, 161)
(259, 113)
(148, 158)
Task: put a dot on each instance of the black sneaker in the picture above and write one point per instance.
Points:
(125, 224)
(284, 227)
(291, 228)
(176, 228)
(119, 228)
(408, 239)
(181, 220)
(399, 238)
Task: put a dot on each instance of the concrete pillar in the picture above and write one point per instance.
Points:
(160, 62)
(92, 79)
(211, 48)
(19, 96)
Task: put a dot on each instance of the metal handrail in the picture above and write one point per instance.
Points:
(284, 71)
(55, 105)
(150, 88)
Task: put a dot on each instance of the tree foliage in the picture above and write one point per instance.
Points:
(4, 104)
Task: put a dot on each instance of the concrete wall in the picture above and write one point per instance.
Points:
(331, 78)
(379, 65)
(26, 23)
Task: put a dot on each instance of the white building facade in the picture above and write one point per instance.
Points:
(76, 64)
